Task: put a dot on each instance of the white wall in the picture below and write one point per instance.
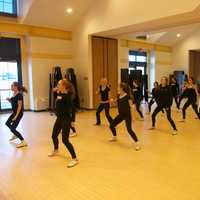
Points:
(180, 56)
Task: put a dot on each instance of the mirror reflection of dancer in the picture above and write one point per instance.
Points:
(137, 95)
(63, 121)
(154, 94)
(17, 112)
(164, 101)
(104, 90)
(190, 92)
(175, 90)
(124, 110)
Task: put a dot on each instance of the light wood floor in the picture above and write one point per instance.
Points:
(167, 167)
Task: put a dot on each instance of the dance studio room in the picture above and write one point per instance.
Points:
(99, 100)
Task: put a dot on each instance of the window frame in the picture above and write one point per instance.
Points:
(14, 14)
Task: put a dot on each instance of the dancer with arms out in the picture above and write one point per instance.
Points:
(164, 101)
(17, 112)
(124, 111)
(190, 93)
(104, 90)
(64, 119)
(137, 97)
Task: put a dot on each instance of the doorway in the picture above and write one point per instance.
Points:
(10, 69)
(138, 70)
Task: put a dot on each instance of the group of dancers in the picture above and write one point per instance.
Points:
(162, 94)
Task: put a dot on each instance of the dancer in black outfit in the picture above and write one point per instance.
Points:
(63, 121)
(124, 114)
(72, 127)
(190, 92)
(164, 101)
(104, 90)
(137, 95)
(175, 90)
(154, 95)
(74, 101)
(17, 112)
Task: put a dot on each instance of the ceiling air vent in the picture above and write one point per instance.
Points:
(141, 37)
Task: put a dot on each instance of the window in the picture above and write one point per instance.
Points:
(137, 56)
(141, 59)
(132, 58)
(8, 74)
(8, 8)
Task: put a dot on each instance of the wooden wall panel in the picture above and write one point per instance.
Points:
(194, 64)
(98, 63)
(105, 64)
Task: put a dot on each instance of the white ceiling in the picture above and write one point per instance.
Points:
(52, 13)
(166, 37)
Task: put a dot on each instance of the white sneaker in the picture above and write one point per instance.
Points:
(175, 132)
(13, 138)
(113, 139)
(22, 144)
(72, 163)
(53, 153)
(152, 128)
(73, 134)
(183, 120)
(137, 147)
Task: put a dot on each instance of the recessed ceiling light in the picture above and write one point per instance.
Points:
(178, 35)
(69, 10)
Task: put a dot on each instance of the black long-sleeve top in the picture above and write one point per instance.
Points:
(14, 103)
(137, 93)
(124, 106)
(154, 93)
(175, 89)
(190, 94)
(64, 106)
(165, 97)
(104, 93)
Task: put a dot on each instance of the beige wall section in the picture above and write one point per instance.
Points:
(45, 54)
(83, 65)
(123, 62)
(163, 64)
(180, 54)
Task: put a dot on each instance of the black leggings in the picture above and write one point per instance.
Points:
(12, 125)
(194, 106)
(128, 121)
(137, 105)
(64, 125)
(101, 107)
(168, 112)
(152, 101)
(176, 101)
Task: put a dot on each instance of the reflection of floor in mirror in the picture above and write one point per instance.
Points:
(167, 167)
